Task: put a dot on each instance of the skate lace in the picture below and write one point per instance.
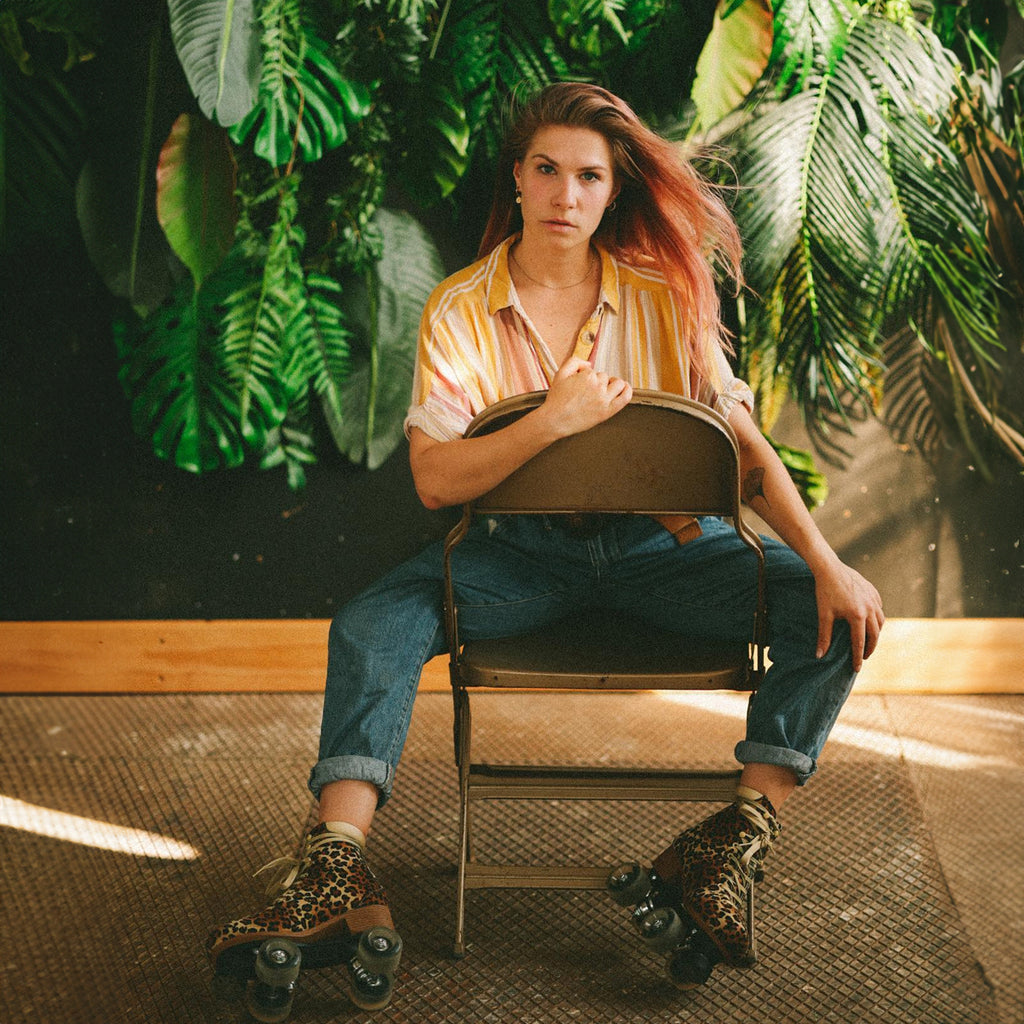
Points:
(282, 872)
(737, 882)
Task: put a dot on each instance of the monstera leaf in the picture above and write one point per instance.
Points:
(218, 46)
(307, 107)
(384, 309)
(171, 374)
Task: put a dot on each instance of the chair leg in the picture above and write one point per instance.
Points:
(463, 730)
(750, 918)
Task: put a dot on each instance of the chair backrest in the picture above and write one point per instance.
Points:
(661, 454)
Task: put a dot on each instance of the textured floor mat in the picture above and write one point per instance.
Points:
(134, 825)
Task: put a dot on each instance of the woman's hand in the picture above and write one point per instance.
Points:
(580, 397)
(842, 593)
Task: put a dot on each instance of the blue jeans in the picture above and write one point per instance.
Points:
(515, 573)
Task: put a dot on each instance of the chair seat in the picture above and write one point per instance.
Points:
(600, 650)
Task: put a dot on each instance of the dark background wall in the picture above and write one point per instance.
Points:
(94, 527)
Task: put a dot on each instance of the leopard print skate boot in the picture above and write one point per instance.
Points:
(715, 864)
(331, 908)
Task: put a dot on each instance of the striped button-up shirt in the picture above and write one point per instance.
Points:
(477, 345)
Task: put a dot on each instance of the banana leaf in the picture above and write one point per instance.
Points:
(195, 194)
(134, 262)
(383, 309)
(218, 44)
(734, 57)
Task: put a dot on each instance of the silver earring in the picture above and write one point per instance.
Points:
(611, 205)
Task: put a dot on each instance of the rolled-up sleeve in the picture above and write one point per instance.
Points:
(734, 391)
(440, 407)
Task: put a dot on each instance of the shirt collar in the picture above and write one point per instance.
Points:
(499, 291)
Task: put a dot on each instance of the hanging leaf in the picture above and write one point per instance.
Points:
(169, 370)
(308, 110)
(438, 147)
(384, 309)
(259, 326)
(195, 194)
(109, 229)
(218, 44)
(734, 57)
(42, 128)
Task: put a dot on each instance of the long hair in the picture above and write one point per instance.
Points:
(666, 216)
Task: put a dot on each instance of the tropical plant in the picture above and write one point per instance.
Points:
(868, 225)
(238, 169)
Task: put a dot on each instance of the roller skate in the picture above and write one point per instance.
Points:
(693, 902)
(329, 911)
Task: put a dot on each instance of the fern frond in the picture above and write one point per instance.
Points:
(254, 354)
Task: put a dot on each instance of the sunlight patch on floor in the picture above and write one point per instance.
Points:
(734, 705)
(88, 832)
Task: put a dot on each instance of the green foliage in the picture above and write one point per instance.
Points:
(41, 124)
(170, 371)
(195, 194)
(303, 104)
(386, 305)
(879, 194)
(734, 57)
(218, 45)
(810, 482)
(854, 208)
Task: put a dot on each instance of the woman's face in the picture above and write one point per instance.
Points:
(567, 181)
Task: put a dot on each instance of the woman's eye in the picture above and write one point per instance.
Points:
(545, 168)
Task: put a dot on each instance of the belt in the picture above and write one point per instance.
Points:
(586, 525)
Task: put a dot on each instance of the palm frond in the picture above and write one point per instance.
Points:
(853, 208)
(809, 35)
(42, 131)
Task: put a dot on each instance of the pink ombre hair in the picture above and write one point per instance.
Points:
(666, 216)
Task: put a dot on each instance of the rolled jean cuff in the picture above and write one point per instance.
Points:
(356, 768)
(802, 766)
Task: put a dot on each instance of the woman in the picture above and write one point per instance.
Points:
(597, 275)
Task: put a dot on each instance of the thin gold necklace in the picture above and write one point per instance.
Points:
(555, 287)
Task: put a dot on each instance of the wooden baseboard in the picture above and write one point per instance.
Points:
(173, 656)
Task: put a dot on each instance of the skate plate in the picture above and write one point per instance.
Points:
(266, 973)
(663, 923)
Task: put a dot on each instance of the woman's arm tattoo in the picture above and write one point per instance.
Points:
(753, 486)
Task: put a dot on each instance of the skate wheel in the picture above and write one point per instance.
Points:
(278, 962)
(380, 950)
(628, 884)
(689, 968)
(661, 929)
(367, 990)
(269, 1004)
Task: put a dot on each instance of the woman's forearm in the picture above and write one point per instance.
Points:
(767, 488)
(453, 472)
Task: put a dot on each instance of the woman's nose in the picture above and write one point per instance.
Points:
(565, 195)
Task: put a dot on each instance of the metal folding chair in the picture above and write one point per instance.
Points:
(660, 455)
